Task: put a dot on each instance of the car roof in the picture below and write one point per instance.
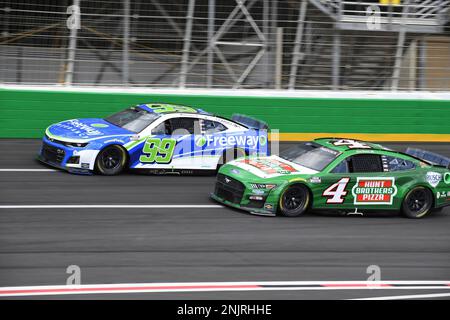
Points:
(167, 108)
(346, 149)
(347, 144)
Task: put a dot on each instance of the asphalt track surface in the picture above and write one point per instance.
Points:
(197, 245)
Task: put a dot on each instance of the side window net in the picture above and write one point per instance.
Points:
(366, 163)
(182, 126)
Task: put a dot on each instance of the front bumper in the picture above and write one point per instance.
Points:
(234, 193)
(61, 157)
(59, 166)
(256, 211)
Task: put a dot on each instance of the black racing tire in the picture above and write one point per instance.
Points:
(111, 160)
(294, 201)
(230, 155)
(417, 203)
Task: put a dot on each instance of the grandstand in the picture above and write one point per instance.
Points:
(264, 44)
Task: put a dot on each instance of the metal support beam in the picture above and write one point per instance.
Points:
(72, 45)
(422, 64)
(336, 77)
(298, 43)
(126, 39)
(170, 20)
(413, 66)
(268, 82)
(187, 43)
(210, 57)
(279, 59)
(229, 22)
(399, 52)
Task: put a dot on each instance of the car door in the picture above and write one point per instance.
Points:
(214, 140)
(358, 181)
(172, 144)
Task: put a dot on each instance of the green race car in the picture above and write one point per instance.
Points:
(341, 174)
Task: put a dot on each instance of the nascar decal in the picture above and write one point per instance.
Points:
(368, 191)
(433, 178)
(269, 166)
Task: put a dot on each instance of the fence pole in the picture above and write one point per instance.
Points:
(210, 57)
(126, 39)
(68, 79)
(187, 43)
(279, 59)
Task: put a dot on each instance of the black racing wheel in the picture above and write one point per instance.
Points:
(294, 201)
(111, 160)
(417, 203)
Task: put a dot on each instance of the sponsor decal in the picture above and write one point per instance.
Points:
(225, 140)
(99, 125)
(84, 127)
(447, 178)
(433, 178)
(200, 141)
(235, 171)
(315, 180)
(268, 206)
(262, 140)
(270, 166)
(368, 191)
(114, 140)
(258, 192)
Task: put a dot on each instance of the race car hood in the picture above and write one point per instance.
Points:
(85, 129)
(265, 168)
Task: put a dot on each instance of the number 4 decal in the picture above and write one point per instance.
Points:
(336, 192)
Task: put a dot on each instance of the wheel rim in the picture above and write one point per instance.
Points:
(293, 199)
(111, 158)
(418, 200)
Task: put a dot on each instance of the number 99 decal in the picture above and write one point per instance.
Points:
(158, 150)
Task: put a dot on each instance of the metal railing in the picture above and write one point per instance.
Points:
(267, 44)
(418, 11)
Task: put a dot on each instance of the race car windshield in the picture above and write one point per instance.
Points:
(133, 119)
(310, 155)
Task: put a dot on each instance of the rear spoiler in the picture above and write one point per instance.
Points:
(250, 122)
(430, 157)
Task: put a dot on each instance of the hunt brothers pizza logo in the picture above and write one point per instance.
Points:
(369, 191)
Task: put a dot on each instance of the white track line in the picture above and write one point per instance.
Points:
(415, 296)
(220, 287)
(113, 206)
(28, 170)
